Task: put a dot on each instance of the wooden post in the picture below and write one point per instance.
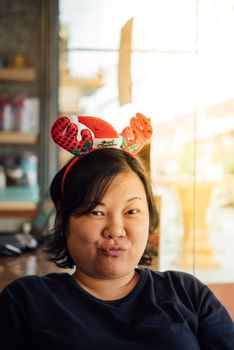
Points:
(124, 69)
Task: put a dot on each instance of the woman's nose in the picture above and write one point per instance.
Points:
(114, 230)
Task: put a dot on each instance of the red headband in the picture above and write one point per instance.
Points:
(81, 135)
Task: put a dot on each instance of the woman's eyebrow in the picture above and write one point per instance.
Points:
(133, 198)
(100, 203)
(128, 200)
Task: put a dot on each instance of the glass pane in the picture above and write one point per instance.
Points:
(181, 76)
(214, 240)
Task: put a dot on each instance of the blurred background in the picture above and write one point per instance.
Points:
(171, 60)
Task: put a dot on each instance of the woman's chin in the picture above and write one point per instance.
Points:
(113, 270)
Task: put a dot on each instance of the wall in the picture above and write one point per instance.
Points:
(20, 28)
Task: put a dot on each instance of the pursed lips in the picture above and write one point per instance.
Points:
(113, 251)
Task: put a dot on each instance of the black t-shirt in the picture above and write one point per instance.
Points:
(166, 311)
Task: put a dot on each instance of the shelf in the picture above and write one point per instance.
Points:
(16, 137)
(19, 194)
(24, 75)
(18, 201)
(17, 209)
(17, 205)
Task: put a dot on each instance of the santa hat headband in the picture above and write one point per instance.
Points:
(81, 135)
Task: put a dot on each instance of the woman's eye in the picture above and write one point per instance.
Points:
(97, 213)
(133, 211)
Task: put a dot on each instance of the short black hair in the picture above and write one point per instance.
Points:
(85, 185)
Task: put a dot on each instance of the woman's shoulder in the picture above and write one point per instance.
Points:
(178, 288)
(35, 282)
(175, 282)
(172, 275)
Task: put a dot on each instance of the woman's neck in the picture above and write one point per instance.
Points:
(107, 289)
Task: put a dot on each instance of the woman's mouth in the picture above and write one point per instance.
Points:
(113, 251)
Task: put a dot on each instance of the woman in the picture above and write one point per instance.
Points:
(105, 212)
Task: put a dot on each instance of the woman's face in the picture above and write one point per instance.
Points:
(109, 241)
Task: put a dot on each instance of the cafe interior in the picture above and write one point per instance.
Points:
(171, 60)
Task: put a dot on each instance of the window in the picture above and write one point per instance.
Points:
(181, 75)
